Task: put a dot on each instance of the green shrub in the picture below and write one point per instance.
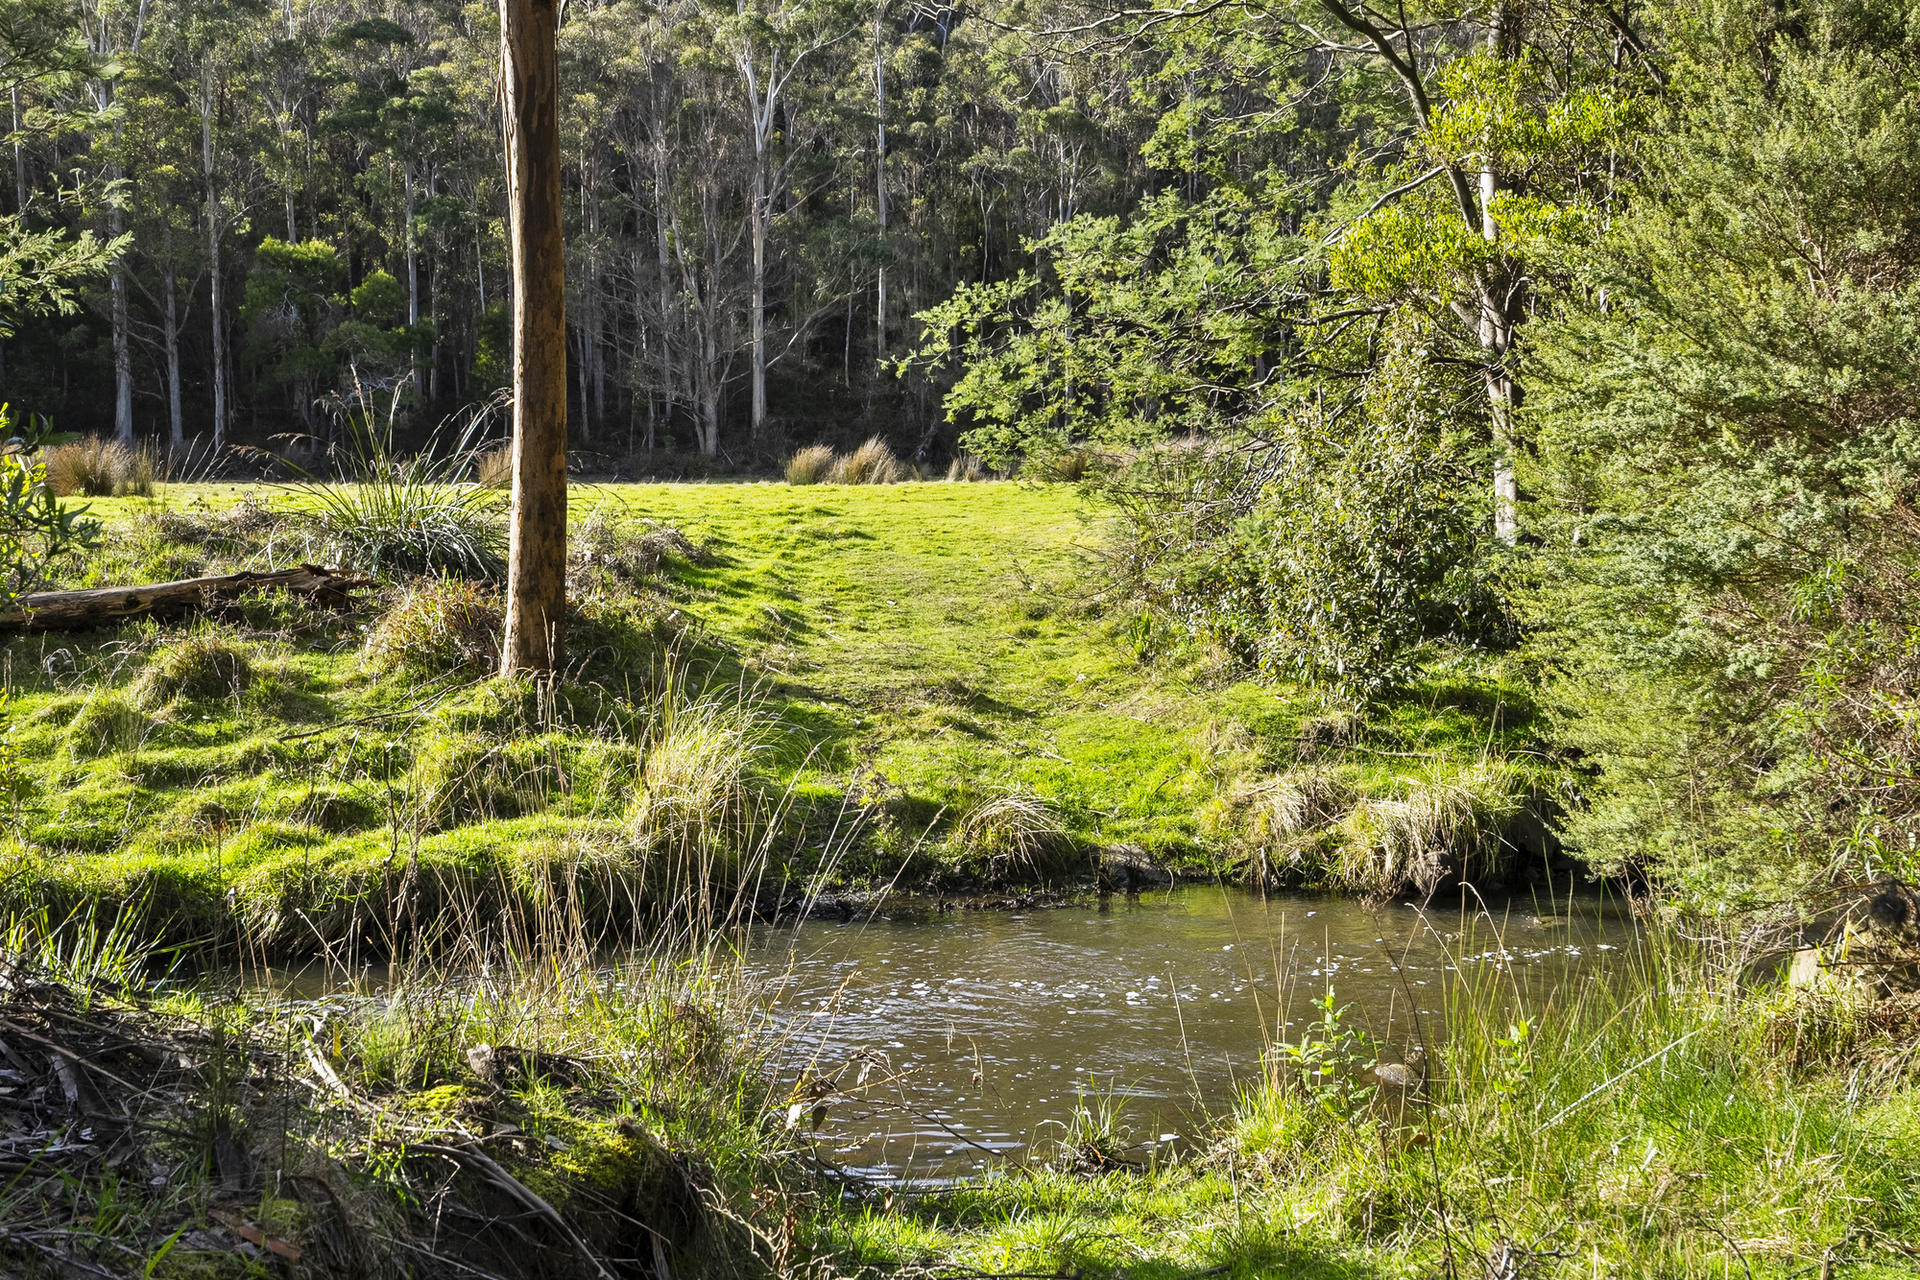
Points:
(811, 465)
(201, 666)
(445, 624)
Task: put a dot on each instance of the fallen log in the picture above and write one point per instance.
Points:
(105, 606)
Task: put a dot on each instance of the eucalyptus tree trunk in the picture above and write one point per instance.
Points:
(19, 157)
(880, 181)
(121, 323)
(757, 305)
(176, 425)
(413, 282)
(537, 531)
(1497, 318)
(214, 217)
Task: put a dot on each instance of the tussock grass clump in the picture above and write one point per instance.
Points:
(405, 520)
(459, 778)
(872, 463)
(444, 624)
(694, 793)
(1019, 835)
(967, 469)
(493, 469)
(607, 556)
(811, 465)
(1276, 825)
(1317, 826)
(626, 640)
(1064, 466)
(99, 468)
(107, 722)
(1438, 827)
(201, 666)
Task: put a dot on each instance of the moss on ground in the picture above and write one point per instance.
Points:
(903, 657)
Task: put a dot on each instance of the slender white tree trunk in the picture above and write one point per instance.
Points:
(757, 305)
(880, 180)
(213, 257)
(1496, 334)
(19, 157)
(122, 344)
(176, 424)
(413, 282)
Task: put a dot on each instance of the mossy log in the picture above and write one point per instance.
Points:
(106, 606)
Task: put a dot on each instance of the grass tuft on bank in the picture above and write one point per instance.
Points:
(914, 685)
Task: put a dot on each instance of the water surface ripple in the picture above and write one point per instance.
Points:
(980, 1032)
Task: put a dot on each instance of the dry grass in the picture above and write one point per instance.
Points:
(443, 624)
(1019, 835)
(99, 468)
(606, 556)
(494, 468)
(812, 465)
(1313, 826)
(1436, 829)
(967, 469)
(872, 463)
(693, 795)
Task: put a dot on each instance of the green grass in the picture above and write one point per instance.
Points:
(1670, 1123)
(899, 665)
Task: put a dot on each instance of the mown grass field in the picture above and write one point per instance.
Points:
(884, 661)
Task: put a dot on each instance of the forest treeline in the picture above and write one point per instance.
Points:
(759, 198)
(1568, 333)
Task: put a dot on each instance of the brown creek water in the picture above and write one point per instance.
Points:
(981, 1032)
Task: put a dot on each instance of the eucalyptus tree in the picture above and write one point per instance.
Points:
(771, 44)
(41, 270)
(114, 29)
(537, 522)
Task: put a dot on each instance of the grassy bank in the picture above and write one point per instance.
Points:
(823, 688)
(555, 1118)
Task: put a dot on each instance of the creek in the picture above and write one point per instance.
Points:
(960, 1039)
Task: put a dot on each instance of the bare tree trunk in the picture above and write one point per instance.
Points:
(537, 536)
(757, 307)
(1496, 332)
(176, 424)
(413, 283)
(19, 157)
(668, 379)
(213, 258)
(122, 346)
(880, 181)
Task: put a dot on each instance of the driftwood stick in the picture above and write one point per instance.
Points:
(105, 606)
